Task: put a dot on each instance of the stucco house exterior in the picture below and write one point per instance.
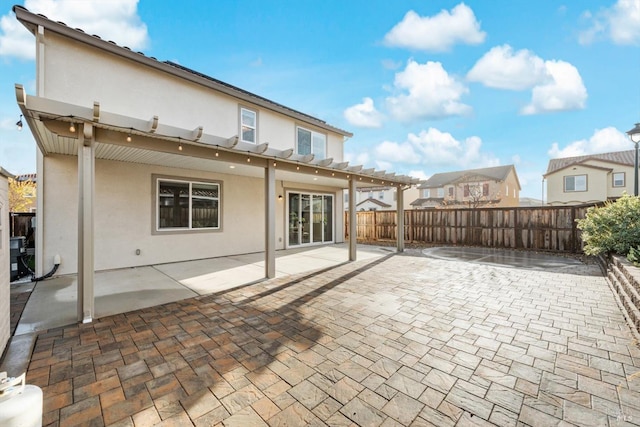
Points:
(381, 198)
(485, 187)
(590, 178)
(142, 162)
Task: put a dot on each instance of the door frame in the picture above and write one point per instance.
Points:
(310, 193)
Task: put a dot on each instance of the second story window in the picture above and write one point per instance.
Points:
(575, 183)
(450, 191)
(309, 142)
(485, 189)
(381, 195)
(440, 192)
(248, 125)
(618, 179)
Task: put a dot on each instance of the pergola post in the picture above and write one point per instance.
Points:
(86, 187)
(400, 214)
(270, 221)
(353, 226)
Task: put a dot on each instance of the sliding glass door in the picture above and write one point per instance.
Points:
(310, 218)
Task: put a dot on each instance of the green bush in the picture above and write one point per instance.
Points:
(612, 228)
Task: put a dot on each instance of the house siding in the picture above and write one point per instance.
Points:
(598, 186)
(123, 216)
(151, 92)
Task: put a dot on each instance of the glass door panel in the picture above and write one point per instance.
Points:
(318, 222)
(294, 219)
(328, 218)
(305, 218)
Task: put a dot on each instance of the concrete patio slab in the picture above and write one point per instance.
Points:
(53, 302)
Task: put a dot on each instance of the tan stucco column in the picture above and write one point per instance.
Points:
(400, 214)
(353, 226)
(270, 221)
(86, 187)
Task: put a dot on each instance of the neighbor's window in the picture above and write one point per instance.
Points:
(425, 193)
(440, 192)
(248, 124)
(618, 179)
(381, 195)
(310, 142)
(575, 183)
(450, 191)
(485, 189)
(187, 205)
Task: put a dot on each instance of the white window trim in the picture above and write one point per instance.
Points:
(313, 133)
(624, 179)
(255, 127)
(155, 228)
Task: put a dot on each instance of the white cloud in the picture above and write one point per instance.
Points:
(427, 91)
(501, 68)
(419, 174)
(361, 158)
(433, 148)
(620, 23)
(565, 91)
(604, 140)
(364, 115)
(437, 33)
(115, 20)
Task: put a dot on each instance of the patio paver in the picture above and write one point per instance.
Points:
(398, 340)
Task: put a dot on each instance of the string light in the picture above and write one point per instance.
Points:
(217, 154)
(129, 138)
(72, 127)
(179, 144)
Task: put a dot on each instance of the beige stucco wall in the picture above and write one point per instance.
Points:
(128, 88)
(5, 292)
(123, 216)
(597, 186)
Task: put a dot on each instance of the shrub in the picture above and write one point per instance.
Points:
(612, 228)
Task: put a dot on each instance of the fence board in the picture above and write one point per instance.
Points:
(549, 228)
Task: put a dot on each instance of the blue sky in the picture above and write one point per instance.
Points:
(425, 86)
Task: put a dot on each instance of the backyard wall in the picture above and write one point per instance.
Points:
(539, 228)
(5, 292)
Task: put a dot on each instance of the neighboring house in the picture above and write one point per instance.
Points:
(143, 162)
(486, 187)
(381, 198)
(589, 179)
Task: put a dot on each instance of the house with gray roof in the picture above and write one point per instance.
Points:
(494, 186)
(590, 178)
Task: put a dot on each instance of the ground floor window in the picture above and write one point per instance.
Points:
(187, 205)
(310, 218)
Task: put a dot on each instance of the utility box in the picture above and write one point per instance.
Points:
(17, 249)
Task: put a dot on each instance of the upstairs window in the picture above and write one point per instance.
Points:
(310, 142)
(485, 189)
(440, 192)
(450, 191)
(425, 193)
(381, 195)
(618, 179)
(575, 183)
(248, 125)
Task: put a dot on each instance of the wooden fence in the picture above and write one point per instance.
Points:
(550, 228)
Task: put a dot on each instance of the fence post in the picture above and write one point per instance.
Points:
(574, 233)
(375, 227)
(517, 234)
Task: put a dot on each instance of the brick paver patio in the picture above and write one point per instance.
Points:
(401, 340)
